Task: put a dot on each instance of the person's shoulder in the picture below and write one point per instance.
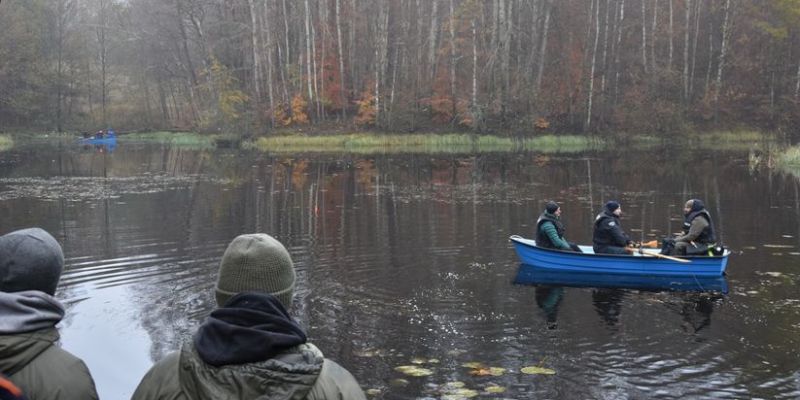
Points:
(160, 379)
(61, 369)
(336, 382)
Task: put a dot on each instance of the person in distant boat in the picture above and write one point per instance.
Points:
(550, 230)
(698, 230)
(99, 134)
(608, 236)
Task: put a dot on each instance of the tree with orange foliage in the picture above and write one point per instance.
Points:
(367, 115)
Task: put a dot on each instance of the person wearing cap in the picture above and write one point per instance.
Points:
(31, 261)
(250, 347)
(608, 236)
(698, 229)
(550, 230)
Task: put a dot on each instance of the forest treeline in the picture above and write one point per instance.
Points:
(252, 66)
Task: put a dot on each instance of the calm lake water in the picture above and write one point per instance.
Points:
(405, 258)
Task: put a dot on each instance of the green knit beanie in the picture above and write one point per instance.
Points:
(256, 262)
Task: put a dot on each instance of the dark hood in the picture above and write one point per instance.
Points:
(250, 327)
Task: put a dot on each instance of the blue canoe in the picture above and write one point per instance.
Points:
(635, 264)
(106, 140)
(530, 275)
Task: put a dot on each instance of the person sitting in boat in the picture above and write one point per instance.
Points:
(698, 231)
(110, 133)
(99, 134)
(550, 230)
(608, 236)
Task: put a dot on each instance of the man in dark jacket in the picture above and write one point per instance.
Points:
(550, 230)
(250, 347)
(608, 236)
(31, 262)
(698, 229)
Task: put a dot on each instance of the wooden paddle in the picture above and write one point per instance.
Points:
(664, 256)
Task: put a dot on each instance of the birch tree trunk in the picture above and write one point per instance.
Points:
(669, 64)
(286, 33)
(268, 51)
(543, 48)
(653, 36)
(341, 61)
(644, 36)
(710, 55)
(722, 53)
(255, 49)
(686, 51)
(432, 43)
(616, 53)
(309, 75)
(603, 63)
(594, 58)
(797, 85)
(697, 9)
(452, 24)
(475, 74)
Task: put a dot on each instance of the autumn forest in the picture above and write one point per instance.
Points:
(504, 66)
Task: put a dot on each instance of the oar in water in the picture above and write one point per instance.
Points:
(664, 256)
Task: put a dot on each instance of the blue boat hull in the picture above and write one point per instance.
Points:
(99, 141)
(701, 266)
(530, 275)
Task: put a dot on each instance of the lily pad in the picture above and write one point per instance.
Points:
(537, 371)
(462, 393)
(495, 389)
(373, 392)
(413, 370)
(418, 360)
(452, 385)
(473, 364)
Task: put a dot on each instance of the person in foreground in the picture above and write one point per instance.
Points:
(608, 236)
(698, 231)
(550, 230)
(249, 347)
(31, 262)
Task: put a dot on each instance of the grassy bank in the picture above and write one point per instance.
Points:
(183, 139)
(425, 143)
(789, 160)
(6, 142)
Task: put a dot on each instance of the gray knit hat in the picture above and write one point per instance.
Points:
(30, 259)
(256, 262)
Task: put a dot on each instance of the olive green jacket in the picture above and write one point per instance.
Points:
(44, 371)
(300, 373)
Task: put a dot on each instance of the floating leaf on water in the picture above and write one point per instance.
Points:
(537, 371)
(773, 274)
(365, 353)
(418, 360)
(433, 361)
(413, 370)
(794, 253)
(749, 248)
(778, 246)
(495, 389)
(490, 371)
(373, 392)
(458, 394)
(456, 352)
(453, 385)
(787, 236)
(473, 364)
(752, 292)
(399, 382)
